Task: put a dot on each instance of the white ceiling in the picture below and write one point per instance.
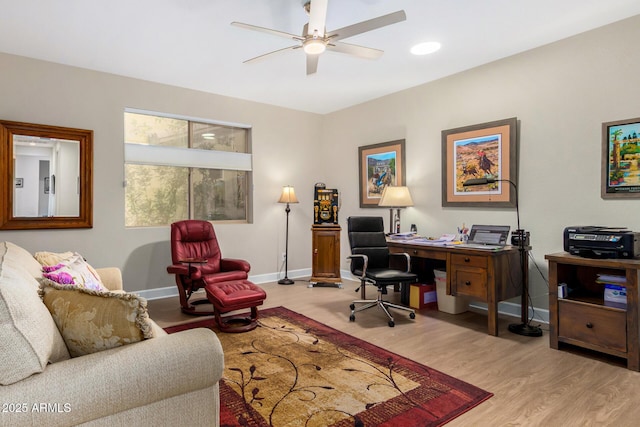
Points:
(191, 44)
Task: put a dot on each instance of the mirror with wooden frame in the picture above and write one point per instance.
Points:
(47, 176)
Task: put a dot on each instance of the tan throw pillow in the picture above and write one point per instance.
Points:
(91, 321)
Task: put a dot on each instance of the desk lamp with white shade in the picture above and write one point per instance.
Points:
(395, 197)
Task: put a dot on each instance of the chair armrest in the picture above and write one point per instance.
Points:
(365, 263)
(231, 264)
(90, 387)
(407, 257)
(191, 271)
(111, 278)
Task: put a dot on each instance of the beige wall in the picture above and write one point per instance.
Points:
(560, 93)
(286, 146)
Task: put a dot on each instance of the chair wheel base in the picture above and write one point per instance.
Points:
(236, 323)
(384, 305)
(193, 311)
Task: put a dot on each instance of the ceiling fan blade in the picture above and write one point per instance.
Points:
(364, 26)
(353, 49)
(312, 64)
(257, 58)
(317, 17)
(267, 30)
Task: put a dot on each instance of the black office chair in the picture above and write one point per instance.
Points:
(370, 261)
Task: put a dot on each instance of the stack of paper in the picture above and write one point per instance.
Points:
(615, 289)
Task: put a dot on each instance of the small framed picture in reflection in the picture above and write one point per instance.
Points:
(19, 182)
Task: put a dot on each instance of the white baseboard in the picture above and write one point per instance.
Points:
(506, 308)
(158, 293)
(172, 291)
(511, 309)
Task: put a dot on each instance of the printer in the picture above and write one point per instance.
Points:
(601, 242)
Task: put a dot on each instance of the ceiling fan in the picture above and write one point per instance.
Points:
(315, 39)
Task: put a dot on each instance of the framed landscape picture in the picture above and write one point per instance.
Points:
(486, 150)
(380, 165)
(620, 157)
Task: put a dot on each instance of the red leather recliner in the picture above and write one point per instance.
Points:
(197, 262)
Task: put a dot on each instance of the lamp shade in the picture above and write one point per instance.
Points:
(288, 195)
(395, 197)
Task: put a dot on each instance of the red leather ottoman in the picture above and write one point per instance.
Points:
(235, 295)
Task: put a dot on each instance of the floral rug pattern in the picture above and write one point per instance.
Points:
(294, 371)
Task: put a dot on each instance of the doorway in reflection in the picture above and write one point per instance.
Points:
(47, 175)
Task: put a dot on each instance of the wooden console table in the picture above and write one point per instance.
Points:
(483, 275)
(583, 318)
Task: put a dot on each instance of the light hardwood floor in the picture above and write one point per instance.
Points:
(533, 385)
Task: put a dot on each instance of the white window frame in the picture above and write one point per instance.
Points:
(156, 155)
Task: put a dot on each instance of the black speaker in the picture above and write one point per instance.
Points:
(518, 236)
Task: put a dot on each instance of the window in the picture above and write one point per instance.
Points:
(178, 168)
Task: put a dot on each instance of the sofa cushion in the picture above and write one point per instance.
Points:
(20, 258)
(28, 334)
(92, 321)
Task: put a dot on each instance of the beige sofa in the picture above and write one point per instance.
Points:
(165, 380)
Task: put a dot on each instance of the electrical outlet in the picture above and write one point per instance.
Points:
(284, 256)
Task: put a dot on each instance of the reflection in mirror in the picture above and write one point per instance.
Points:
(50, 173)
(42, 165)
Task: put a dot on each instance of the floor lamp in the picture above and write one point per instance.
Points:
(288, 196)
(522, 237)
(395, 197)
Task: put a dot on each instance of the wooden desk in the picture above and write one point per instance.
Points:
(487, 276)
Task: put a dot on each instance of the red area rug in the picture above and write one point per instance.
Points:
(294, 371)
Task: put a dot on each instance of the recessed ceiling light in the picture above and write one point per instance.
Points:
(425, 48)
(208, 135)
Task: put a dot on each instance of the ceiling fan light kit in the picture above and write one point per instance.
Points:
(314, 46)
(315, 39)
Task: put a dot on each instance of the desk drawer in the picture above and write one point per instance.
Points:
(469, 260)
(421, 252)
(592, 324)
(469, 281)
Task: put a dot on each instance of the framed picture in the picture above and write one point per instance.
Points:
(486, 150)
(380, 165)
(620, 159)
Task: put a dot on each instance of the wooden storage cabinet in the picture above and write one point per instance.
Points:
(582, 319)
(325, 264)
